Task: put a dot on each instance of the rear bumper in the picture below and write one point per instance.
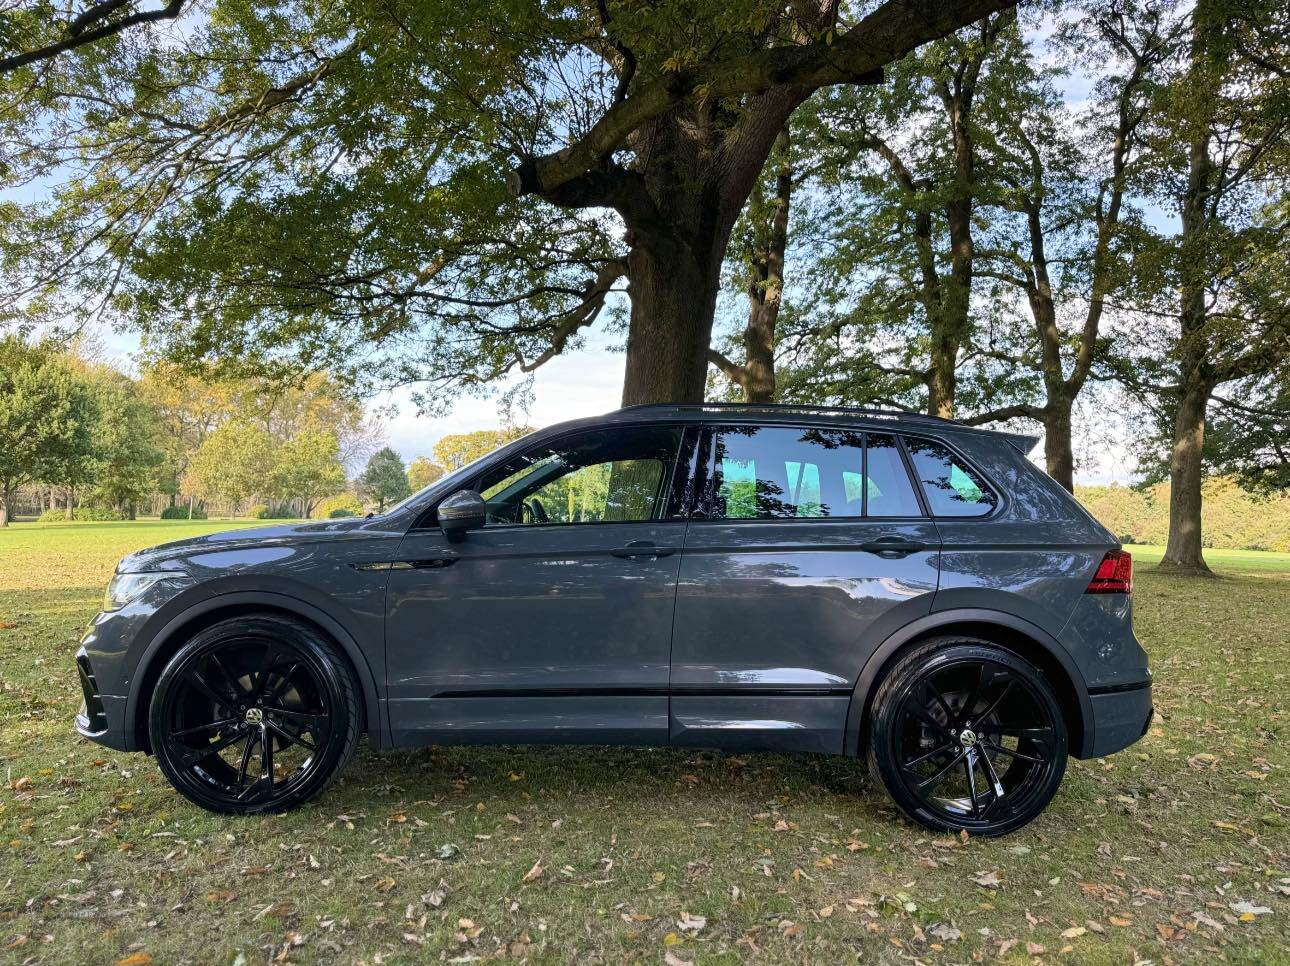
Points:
(1120, 717)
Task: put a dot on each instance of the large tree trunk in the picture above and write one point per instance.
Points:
(1186, 472)
(6, 504)
(673, 293)
(1059, 452)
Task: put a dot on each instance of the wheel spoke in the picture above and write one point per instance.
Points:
(266, 757)
(911, 765)
(295, 739)
(261, 677)
(310, 719)
(994, 705)
(209, 726)
(993, 776)
(1043, 734)
(283, 680)
(929, 783)
(916, 708)
(235, 688)
(246, 760)
(190, 756)
(1003, 749)
(199, 682)
(971, 781)
(965, 711)
(940, 699)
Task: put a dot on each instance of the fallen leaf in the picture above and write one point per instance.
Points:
(135, 959)
(535, 873)
(689, 923)
(988, 880)
(1074, 932)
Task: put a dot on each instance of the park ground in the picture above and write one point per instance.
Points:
(1176, 849)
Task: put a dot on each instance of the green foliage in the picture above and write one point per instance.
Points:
(341, 505)
(82, 513)
(422, 472)
(1232, 517)
(384, 480)
(233, 464)
(181, 512)
(307, 466)
(454, 451)
(262, 511)
(47, 420)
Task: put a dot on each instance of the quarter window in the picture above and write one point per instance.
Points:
(951, 489)
(606, 476)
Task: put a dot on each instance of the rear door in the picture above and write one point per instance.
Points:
(805, 544)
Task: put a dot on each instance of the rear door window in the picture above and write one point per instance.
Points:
(951, 488)
(781, 472)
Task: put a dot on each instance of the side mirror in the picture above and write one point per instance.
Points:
(462, 511)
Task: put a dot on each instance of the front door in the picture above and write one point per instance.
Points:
(807, 547)
(554, 621)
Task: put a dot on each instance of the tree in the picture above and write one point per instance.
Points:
(127, 454)
(1068, 246)
(1221, 157)
(302, 187)
(384, 480)
(904, 165)
(47, 420)
(235, 463)
(761, 243)
(422, 471)
(307, 468)
(455, 450)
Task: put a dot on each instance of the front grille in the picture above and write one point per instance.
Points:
(93, 713)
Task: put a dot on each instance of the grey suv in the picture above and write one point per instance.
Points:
(787, 578)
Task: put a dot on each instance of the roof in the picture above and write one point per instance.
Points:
(786, 412)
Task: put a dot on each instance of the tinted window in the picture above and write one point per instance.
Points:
(606, 476)
(890, 493)
(951, 489)
(762, 473)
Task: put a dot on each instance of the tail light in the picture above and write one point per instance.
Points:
(1114, 574)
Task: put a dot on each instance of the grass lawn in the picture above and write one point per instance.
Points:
(1177, 849)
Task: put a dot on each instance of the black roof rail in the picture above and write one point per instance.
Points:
(798, 408)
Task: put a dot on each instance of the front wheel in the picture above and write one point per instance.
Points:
(967, 735)
(254, 714)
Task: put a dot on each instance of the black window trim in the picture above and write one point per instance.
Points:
(425, 522)
(705, 490)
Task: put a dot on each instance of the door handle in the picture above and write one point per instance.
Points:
(893, 548)
(642, 548)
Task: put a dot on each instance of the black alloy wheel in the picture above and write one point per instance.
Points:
(967, 735)
(254, 714)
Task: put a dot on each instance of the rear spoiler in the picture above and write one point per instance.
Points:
(1022, 442)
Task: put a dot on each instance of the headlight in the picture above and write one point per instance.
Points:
(123, 588)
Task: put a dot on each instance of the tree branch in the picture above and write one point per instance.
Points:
(857, 56)
(76, 34)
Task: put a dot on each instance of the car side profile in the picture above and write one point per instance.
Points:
(852, 582)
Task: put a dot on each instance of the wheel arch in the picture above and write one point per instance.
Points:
(182, 627)
(1013, 633)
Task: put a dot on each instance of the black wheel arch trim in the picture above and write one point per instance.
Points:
(867, 681)
(374, 708)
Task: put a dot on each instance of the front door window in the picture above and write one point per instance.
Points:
(603, 476)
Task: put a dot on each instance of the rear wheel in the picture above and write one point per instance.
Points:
(967, 735)
(254, 714)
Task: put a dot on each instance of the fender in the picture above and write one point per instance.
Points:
(865, 683)
(377, 729)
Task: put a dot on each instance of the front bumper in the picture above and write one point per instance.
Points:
(1121, 716)
(102, 716)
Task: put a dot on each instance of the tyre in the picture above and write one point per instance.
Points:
(254, 714)
(967, 735)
